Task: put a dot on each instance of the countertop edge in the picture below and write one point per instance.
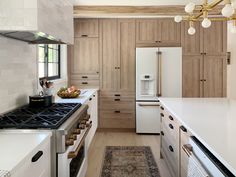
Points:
(199, 138)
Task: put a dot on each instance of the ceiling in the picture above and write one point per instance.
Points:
(133, 2)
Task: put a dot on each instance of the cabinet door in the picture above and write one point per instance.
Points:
(169, 32)
(215, 76)
(191, 44)
(146, 31)
(85, 59)
(126, 56)
(109, 54)
(215, 39)
(86, 27)
(191, 76)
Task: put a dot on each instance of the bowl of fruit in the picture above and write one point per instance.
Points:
(68, 92)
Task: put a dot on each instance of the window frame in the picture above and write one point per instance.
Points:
(58, 76)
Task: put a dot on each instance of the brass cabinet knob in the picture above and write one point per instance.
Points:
(82, 126)
(73, 136)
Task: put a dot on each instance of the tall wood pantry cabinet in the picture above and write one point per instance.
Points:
(204, 60)
(117, 68)
(84, 54)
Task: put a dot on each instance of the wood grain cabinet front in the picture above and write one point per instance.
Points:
(86, 27)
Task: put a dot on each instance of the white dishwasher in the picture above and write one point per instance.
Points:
(202, 163)
(147, 117)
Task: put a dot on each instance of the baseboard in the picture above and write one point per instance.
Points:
(116, 130)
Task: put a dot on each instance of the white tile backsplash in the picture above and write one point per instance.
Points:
(18, 73)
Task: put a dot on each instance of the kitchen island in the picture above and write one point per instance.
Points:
(18, 153)
(211, 120)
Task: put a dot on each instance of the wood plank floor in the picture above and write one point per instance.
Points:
(102, 139)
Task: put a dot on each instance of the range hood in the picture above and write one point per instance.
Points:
(31, 37)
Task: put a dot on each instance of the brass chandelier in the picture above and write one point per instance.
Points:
(201, 13)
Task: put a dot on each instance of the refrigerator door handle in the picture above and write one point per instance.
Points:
(159, 76)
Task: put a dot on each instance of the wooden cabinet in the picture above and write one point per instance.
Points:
(117, 106)
(109, 50)
(204, 61)
(157, 32)
(86, 27)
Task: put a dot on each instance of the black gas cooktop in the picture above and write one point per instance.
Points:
(33, 118)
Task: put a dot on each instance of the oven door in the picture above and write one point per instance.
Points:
(73, 162)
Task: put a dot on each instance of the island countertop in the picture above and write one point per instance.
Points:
(212, 121)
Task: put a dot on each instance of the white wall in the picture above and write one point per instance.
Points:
(231, 79)
(17, 73)
(134, 2)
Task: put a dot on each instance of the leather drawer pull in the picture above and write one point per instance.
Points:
(90, 99)
(183, 128)
(84, 77)
(116, 99)
(37, 156)
(84, 83)
(84, 35)
(162, 108)
(162, 115)
(117, 94)
(171, 118)
(171, 126)
(171, 149)
(117, 112)
(162, 133)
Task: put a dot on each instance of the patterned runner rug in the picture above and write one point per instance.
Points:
(129, 161)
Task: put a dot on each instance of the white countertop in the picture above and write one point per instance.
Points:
(83, 97)
(212, 121)
(16, 146)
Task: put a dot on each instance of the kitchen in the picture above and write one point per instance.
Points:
(107, 42)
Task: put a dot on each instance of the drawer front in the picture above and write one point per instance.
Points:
(107, 94)
(117, 119)
(117, 104)
(85, 77)
(170, 153)
(41, 167)
(85, 83)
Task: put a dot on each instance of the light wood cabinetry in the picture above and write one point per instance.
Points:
(86, 27)
(117, 106)
(84, 54)
(158, 32)
(204, 61)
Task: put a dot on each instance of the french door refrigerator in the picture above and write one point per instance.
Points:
(158, 74)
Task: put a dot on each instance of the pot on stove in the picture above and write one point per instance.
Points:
(40, 100)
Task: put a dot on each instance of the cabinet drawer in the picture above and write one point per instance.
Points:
(170, 154)
(40, 167)
(85, 77)
(117, 114)
(85, 83)
(86, 27)
(108, 94)
(114, 103)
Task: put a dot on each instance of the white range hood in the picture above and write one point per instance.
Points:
(37, 21)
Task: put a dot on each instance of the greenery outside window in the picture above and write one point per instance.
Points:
(49, 61)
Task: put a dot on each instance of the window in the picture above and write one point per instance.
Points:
(49, 61)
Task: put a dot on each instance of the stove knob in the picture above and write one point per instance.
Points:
(73, 136)
(82, 126)
(69, 142)
(88, 123)
(76, 131)
(83, 122)
(87, 117)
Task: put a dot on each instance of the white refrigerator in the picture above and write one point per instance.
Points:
(158, 74)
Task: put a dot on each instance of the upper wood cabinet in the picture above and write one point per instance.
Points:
(109, 50)
(86, 27)
(191, 44)
(215, 39)
(85, 58)
(158, 32)
(126, 55)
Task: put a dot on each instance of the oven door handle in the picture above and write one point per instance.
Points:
(74, 154)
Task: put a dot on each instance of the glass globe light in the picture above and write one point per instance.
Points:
(206, 23)
(228, 10)
(178, 18)
(189, 8)
(191, 30)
